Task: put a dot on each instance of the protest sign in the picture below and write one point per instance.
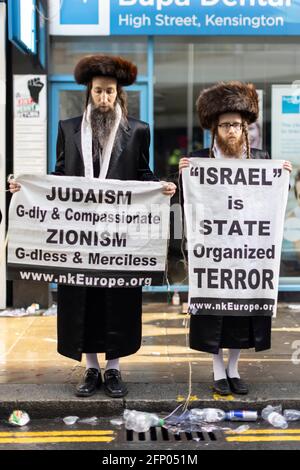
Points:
(89, 232)
(234, 214)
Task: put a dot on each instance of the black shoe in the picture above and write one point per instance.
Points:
(113, 384)
(92, 381)
(237, 385)
(221, 387)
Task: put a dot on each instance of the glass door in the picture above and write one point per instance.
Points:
(68, 100)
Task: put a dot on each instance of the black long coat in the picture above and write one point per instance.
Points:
(209, 333)
(90, 319)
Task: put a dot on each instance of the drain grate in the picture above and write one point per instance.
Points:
(163, 435)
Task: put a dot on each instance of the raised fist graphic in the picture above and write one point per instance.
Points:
(35, 87)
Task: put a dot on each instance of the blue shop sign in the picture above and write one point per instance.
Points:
(205, 17)
(79, 12)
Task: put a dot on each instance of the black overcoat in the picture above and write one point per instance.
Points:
(90, 319)
(208, 333)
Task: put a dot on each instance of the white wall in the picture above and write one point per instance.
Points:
(2, 154)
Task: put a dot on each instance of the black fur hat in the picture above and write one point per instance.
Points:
(88, 67)
(227, 97)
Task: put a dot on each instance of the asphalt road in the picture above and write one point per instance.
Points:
(111, 440)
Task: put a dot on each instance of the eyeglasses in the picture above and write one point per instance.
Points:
(227, 125)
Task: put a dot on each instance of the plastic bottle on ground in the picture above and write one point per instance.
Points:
(176, 299)
(292, 415)
(50, 311)
(140, 421)
(207, 415)
(273, 417)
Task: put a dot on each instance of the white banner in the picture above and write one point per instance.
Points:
(90, 232)
(30, 124)
(234, 217)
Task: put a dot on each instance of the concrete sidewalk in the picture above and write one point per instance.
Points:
(35, 377)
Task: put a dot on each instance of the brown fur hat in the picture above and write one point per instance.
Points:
(91, 66)
(227, 97)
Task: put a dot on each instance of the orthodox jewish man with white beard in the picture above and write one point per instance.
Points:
(103, 143)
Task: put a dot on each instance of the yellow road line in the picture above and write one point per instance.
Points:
(266, 431)
(218, 397)
(293, 330)
(37, 440)
(262, 438)
(182, 398)
(56, 433)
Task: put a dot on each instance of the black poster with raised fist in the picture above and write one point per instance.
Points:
(35, 87)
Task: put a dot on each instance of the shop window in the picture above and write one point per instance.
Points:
(22, 24)
(186, 65)
(67, 51)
